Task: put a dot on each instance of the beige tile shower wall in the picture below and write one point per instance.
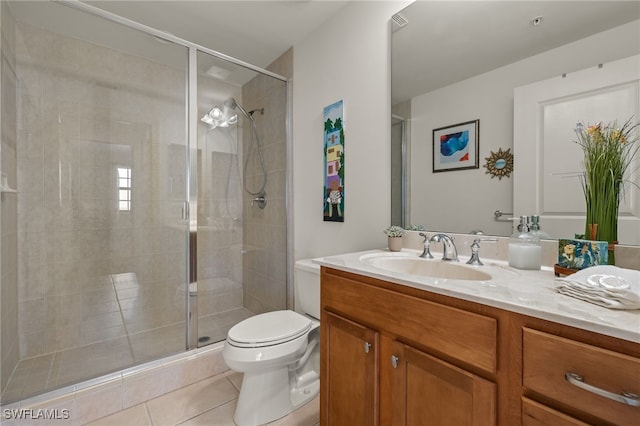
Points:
(8, 204)
(85, 109)
(265, 230)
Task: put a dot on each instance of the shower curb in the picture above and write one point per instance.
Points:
(108, 394)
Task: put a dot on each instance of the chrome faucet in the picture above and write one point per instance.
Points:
(449, 250)
(425, 251)
(475, 248)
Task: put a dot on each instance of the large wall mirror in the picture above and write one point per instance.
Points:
(456, 62)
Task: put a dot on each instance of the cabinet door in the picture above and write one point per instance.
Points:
(349, 379)
(429, 391)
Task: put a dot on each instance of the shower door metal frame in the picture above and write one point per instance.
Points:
(191, 204)
(190, 207)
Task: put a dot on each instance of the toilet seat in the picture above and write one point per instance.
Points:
(268, 329)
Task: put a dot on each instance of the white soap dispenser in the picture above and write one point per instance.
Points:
(535, 228)
(524, 247)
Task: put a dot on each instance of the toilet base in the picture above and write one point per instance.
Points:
(256, 407)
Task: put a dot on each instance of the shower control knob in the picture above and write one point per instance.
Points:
(260, 200)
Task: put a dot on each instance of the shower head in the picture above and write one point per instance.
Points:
(218, 118)
(224, 117)
(233, 104)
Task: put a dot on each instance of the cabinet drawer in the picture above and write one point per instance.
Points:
(464, 336)
(548, 358)
(536, 414)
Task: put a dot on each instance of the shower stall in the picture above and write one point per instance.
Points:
(131, 226)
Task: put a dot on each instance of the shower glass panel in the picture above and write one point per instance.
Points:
(241, 160)
(98, 157)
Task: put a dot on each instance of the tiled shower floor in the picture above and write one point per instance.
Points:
(60, 368)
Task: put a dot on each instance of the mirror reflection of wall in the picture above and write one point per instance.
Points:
(398, 125)
(546, 114)
(500, 59)
(400, 134)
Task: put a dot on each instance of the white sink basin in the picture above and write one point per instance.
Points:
(405, 263)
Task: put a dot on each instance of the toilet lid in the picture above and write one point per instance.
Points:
(270, 328)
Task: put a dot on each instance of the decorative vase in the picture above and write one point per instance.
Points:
(395, 243)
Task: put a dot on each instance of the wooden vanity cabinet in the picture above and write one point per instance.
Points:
(395, 355)
(389, 358)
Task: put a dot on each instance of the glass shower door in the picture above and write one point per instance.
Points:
(101, 180)
(241, 214)
(219, 217)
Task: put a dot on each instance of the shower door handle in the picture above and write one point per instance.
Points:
(185, 210)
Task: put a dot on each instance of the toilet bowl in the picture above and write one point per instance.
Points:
(278, 352)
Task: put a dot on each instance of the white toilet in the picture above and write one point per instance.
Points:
(278, 352)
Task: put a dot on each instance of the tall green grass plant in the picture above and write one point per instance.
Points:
(609, 153)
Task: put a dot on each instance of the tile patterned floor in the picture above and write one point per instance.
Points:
(46, 372)
(210, 402)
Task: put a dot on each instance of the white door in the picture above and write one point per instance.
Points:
(547, 161)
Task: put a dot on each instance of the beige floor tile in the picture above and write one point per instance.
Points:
(134, 416)
(191, 401)
(219, 416)
(208, 402)
(89, 361)
(307, 415)
(157, 342)
(235, 377)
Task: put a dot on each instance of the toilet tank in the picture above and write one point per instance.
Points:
(307, 287)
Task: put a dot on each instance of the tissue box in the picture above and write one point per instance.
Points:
(580, 254)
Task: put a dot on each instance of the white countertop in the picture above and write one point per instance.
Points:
(529, 293)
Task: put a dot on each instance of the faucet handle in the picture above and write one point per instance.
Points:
(426, 253)
(475, 248)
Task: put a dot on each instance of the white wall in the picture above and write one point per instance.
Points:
(465, 200)
(348, 59)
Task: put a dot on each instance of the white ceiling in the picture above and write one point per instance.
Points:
(448, 41)
(444, 41)
(256, 32)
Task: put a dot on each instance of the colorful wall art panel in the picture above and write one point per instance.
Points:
(334, 163)
(456, 147)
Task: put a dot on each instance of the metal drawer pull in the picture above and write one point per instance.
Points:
(625, 397)
(367, 347)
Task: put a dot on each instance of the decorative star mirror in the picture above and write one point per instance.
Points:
(499, 164)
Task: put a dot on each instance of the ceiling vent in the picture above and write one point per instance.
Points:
(398, 21)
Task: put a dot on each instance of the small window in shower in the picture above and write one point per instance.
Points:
(124, 189)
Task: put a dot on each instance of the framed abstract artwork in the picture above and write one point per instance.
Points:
(456, 147)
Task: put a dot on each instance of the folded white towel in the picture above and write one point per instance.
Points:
(604, 285)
